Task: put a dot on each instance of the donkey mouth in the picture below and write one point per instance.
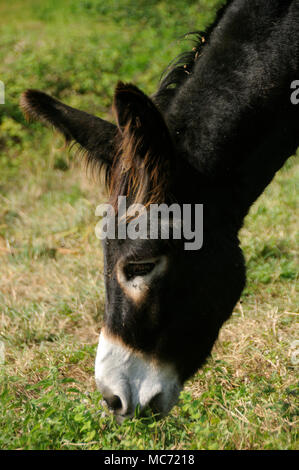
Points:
(153, 410)
(132, 384)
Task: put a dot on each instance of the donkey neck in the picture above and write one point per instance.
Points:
(233, 119)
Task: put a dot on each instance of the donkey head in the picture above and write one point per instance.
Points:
(164, 304)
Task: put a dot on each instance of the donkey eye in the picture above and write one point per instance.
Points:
(138, 269)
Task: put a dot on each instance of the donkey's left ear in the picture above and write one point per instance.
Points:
(95, 136)
(138, 117)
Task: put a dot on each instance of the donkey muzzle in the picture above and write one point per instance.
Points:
(127, 380)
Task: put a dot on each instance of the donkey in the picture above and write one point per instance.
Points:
(219, 127)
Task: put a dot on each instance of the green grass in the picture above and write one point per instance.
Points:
(51, 266)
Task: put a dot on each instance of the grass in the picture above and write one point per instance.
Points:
(51, 266)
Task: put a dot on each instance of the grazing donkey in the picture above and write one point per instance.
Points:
(221, 124)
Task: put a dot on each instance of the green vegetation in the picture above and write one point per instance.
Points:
(51, 282)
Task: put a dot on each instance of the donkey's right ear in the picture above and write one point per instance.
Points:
(95, 136)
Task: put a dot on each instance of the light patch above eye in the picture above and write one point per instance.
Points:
(135, 277)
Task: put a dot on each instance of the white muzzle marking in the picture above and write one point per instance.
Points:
(136, 380)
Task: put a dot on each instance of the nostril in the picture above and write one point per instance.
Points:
(155, 404)
(113, 402)
(118, 403)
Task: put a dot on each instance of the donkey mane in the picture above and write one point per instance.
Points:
(182, 66)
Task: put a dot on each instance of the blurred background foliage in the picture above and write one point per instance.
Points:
(76, 50)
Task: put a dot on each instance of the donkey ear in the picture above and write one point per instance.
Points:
(93, 134)
(137, 115)
(143, 169)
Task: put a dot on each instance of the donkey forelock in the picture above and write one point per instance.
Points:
(144, 156)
